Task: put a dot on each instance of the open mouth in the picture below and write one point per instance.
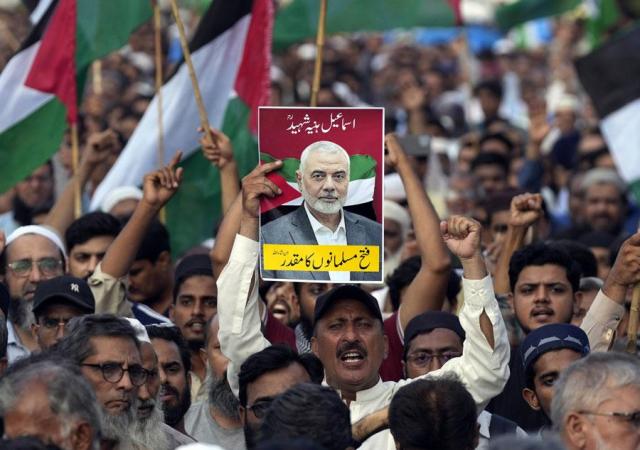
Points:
(280, 309)
(542, 313)
(145, 411)
(352, 358)
(196, 326)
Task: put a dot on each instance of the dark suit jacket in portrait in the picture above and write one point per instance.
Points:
(295, 228)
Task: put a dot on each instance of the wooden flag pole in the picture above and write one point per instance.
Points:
(317, 71)
(157, 25)
(96, 75)
(75, 163)
(204, 120)
(632, 331)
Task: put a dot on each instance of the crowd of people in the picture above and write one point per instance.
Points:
(511, 253)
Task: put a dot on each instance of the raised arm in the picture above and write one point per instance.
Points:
(240, 332)
(158, 188)
(99, 147)
(427, 290)
(526, 209)
(226, 234)
(220, 154)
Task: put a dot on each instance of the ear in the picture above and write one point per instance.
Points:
(314, 346)
(510, 300)
(82, 437)
(531, 398)
(171, 313)
(576, 430)
(164, 259)
(243, 415)
(34, 330)
(188, 374)
(203, 355)
(298, 177)
(404, 369)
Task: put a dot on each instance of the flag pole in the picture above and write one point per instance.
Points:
(158, 57)
(204, 120)
(75, 163)
(317, 71)
(96, 75)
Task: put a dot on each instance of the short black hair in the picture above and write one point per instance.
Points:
(401, 278)
(171, 333)
(91, 225)
(312, 411)
(156, 241)
(490, 159)
(274, 358)
(497, 136)
(581, 254)
(433, 413)
(539, 254)
(493, 86)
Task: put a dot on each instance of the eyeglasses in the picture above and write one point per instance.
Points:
(53, 323)
(422, 359)
(630, 417)
(49, 267)
(113, 372)
(260, 407)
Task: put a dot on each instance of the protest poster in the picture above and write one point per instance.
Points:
(326, 225)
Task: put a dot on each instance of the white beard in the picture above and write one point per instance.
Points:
(117, 427)
(320, 205)
(148, 433)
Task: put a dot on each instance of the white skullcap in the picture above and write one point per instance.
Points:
(119, 194)
(567, 102)
(141, 331)
(393, 211)
(40, 230)
(603, 176)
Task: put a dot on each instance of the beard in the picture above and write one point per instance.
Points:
(173, 414)
(116, 427)
(20, 313)
(321, 206)
(391, 262)
(250, 436)
(148, 432)
(221, 398)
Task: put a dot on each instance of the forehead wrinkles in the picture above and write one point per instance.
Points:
(32, 245)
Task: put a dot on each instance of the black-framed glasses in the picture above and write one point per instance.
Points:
(54, 323)
(260, 407)
(423, 359)
(630, 417)
(113, 372)
(49, 267)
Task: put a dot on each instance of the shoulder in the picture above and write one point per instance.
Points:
(371, 226)
(283, 220)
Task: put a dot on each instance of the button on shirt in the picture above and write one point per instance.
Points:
(324, 236)
(482, 369)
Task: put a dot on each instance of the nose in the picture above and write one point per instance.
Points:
(93, 263)
(328, 185)
(435, 364)
(35, 275)
(125, 382)
(143, 392)
(60, 331)
(542, 294)
(163, 376)
(197, 308)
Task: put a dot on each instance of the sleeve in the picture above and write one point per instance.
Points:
(109, 294)
(601, 322)
(240, 332)
(483, 370)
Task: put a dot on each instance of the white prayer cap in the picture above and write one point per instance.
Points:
(601, 175)
(119, 194)
(567, 102)
(40, 230)
(393, 211)
(141, 331)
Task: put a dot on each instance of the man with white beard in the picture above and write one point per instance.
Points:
(107, 351)
(217, 419)
(32, 254)
(323, 180)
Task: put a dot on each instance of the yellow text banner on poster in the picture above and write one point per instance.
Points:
(322, 258)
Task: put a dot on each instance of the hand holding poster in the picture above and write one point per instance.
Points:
(326, 223)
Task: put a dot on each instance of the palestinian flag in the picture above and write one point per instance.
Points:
(297, 20)
(521, 11)
(42, 83)
(231, 52)
(610, 76)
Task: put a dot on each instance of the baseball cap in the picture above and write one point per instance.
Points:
(346, 292)
(66, 289)
(430, 321)
(551, 337)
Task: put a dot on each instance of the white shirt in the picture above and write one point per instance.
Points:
(15, 349)
(484, 420)
(324, 236)
(483, 370)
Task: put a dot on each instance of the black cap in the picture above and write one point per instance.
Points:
(5, 298)
(430, 321)
(64, 289)
(550, 337)
(346, 292)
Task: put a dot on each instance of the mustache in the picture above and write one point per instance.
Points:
(144, 403)
(351, 346)
(168, 389)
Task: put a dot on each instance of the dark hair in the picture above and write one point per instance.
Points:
(493, 86)
(156, 241)
(289, 444)
(312, 411)
(401, 278)
(433, 413)
(490, 158)
(274, 358)
(26, 443)
(497, 136)
(76, 345)
(499, 201)
(539, 254)
(171, 333)
(581, 254)
(89, 226)
(4, 337)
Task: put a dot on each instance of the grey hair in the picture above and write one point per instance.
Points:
(71, 398)
(4, 338)
(603, 176)
(327, 147)
(598, 374)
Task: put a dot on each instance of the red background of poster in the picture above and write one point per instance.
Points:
(366, 139)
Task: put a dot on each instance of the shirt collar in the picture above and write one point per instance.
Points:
(484, 420)
(316, 225)
(12, 336)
